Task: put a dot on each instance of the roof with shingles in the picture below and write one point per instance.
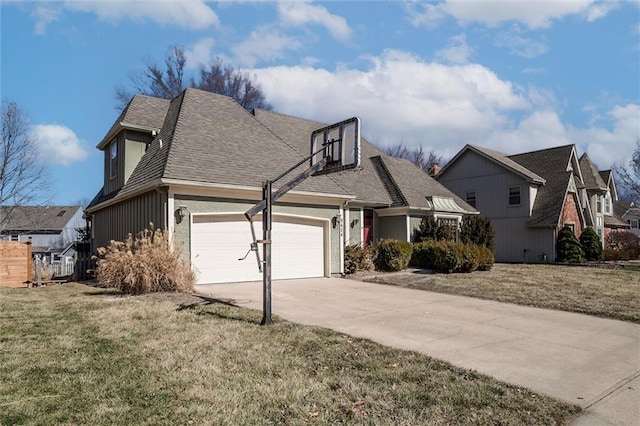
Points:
(552, 165)
(380, 178)
(590, 175)
(37, 218)
(505, 161)
(209, 138)
(144, 111)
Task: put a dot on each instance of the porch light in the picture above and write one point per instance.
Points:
(181, 213)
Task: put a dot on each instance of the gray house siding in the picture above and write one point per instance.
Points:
(129, 217)
(515, 242)
(414, 227)
(117, 181)
(131, 147)
(220, 205)
(354, 229)
(394, 227)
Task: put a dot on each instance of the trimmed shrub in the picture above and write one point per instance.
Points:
(449, 257)
(568, 247)
(424, 254)
(479, 231)
(144, 264)
(392, 255)
(485, 258)
(357, 258)
(591, 244)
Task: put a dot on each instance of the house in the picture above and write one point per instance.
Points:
(529, 197)
(53, 229)
(195, 164)
(630, 214)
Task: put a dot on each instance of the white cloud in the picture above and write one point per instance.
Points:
(403, 99)
(58, 144)
(45, 16)
(533, 14)
(264, 44)
(199, 53)
(399, 97)
(188, 14)
(457, 50)
(425, 14)
(300, 14)
(519, 45)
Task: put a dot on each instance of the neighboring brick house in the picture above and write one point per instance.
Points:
(529, 197)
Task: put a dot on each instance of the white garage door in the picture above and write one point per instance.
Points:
(217, 243)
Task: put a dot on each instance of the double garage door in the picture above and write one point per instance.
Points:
(299, 248)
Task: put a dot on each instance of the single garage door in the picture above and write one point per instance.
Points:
(217, 242)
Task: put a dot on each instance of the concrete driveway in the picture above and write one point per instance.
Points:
(584, 360)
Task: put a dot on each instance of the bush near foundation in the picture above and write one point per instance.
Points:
(450, 257)
(568, 247)
(591, 244)
(479, 231)
(392, 255)
(144, 264)
(357, 258)
(622, 245)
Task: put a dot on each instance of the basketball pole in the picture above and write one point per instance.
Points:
(266, 244)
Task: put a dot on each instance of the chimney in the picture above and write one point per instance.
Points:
(434, 169)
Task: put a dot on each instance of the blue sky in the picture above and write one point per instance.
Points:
(510, 75)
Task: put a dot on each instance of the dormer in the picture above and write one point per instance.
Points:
(127, 140)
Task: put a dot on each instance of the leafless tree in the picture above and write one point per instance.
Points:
(217, 77)
(417, 156)
(23, 177)
(628, 182)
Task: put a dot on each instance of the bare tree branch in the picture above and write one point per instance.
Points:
(168, 82)
(417, 156)
(628, 182)
(23, 177)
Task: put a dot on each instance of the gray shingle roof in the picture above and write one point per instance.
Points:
(37, 218)
(415, 185)
(142, 111)
(209, 138)
(551, 164)
(507, 162)
(590, 174)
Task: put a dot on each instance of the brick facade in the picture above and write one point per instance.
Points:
(571, 215)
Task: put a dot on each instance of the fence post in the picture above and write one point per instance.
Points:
(29, 244)
(38, 271)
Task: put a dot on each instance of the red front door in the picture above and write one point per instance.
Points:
(367, 229)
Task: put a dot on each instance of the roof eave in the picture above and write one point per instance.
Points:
(123, 125)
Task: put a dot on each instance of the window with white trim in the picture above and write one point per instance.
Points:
(633, 223)
(14, 237)
(113, 156)
(607, 204)
(515, 198)
(598, 204)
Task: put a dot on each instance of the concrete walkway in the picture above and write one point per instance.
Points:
(589, 361)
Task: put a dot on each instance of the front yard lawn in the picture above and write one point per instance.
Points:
(609, 293)
(74, 354)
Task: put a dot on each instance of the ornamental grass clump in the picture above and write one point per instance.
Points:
(144, 264)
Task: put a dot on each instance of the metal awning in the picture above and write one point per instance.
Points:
(444, 204)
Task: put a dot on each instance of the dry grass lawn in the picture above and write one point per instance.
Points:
(74, 354)
(609, 293)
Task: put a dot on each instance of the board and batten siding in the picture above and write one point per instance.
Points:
(354, 219)
(515, 240)
(197, 204)
(131, 147)
(129, 217)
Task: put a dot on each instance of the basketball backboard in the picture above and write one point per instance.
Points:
(339, 143)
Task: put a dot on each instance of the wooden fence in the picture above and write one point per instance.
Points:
(16, 267)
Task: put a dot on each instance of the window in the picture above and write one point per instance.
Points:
(113, 155)
(633, 223)
(470, 198)
(61, 213)
(571, 226)
(514, 196)
(607, 205)
(14, 237)
(598, 204)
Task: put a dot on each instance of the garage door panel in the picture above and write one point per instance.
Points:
(298, 250)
